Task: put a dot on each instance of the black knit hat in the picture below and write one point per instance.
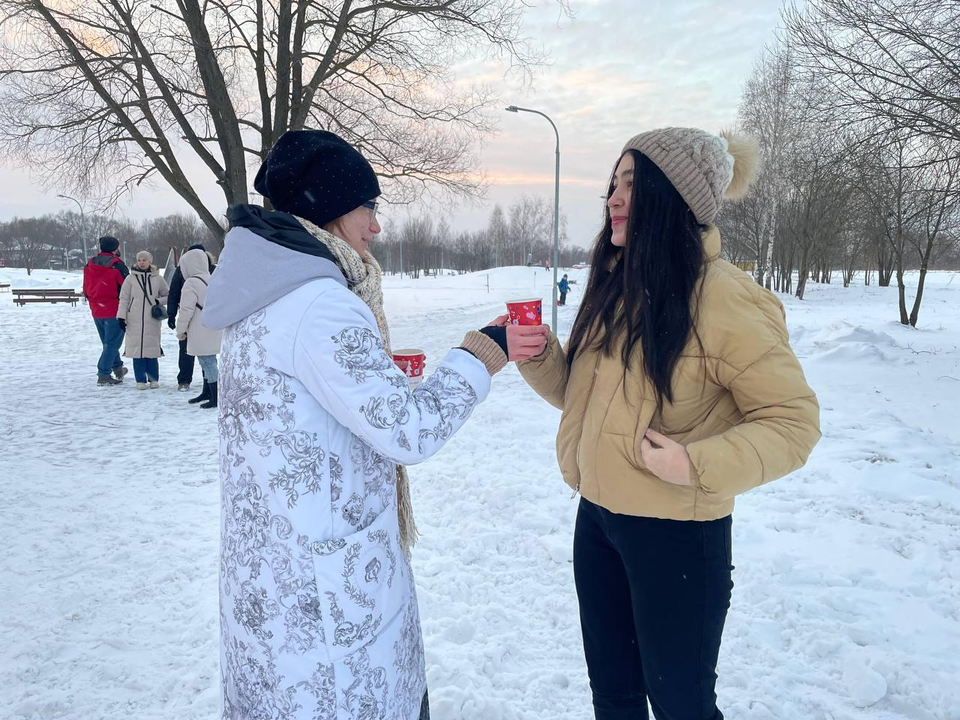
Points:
(109, 244)
(316, 175)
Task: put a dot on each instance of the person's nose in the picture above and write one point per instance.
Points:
(375, 226)
(615, 200)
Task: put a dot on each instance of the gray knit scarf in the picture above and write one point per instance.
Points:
(365, 280)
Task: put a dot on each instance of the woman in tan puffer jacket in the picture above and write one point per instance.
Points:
(141, 291)
(679, 391)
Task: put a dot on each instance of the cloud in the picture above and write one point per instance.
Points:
(620, 68)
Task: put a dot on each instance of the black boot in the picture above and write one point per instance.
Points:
(204, 394)
(212, 402)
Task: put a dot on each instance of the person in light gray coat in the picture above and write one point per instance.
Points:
(142, 290)
(202, 342)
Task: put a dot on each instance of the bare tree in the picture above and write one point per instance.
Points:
(938, 201)
(178, 231)
(814, 214)
(438, 251)
(743, 225)
(767, 111)
(876, 84)
(889, 184)
(531, 229)
(893, 62)
(34, 240)
(498, 233)
(111, 93)
(417, 237)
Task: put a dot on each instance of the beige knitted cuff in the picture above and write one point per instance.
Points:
(486, 350)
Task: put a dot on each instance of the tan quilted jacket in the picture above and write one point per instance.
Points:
(742, 408)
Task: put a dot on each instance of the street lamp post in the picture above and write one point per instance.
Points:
(556, 209)
(83, 232)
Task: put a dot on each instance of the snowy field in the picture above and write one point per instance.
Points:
(847, 598)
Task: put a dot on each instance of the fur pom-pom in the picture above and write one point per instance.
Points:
(746, 164)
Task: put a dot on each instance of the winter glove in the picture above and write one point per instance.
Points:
(182, 336)
(498, 335)
(123, 324)
(172, 323)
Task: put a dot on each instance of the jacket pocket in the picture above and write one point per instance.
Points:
(361, 583)
(645, 416)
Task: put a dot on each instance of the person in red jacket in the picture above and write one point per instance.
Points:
(103, 277)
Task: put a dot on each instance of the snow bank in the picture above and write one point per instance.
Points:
(844, 343)
(18, 278)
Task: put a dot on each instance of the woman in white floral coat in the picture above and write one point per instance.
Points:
(319, 615)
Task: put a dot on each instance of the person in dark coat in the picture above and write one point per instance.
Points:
(186, 360)
(103, 277)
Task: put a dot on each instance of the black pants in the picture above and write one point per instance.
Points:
(563, 298)
(185, 375)
(653, 598)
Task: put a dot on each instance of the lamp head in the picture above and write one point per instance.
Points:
(512, 108)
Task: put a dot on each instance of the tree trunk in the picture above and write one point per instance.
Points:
(902, 294)
(761, 273)
(847, 271)
(924, 264)
(884, 268)
(771, 234)
(915, 312)
(803, 275)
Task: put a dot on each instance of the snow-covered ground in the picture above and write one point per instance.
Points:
(847, 598)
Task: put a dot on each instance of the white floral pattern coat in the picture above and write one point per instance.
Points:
(318, 611)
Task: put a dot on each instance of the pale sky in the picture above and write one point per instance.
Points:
(617, 68)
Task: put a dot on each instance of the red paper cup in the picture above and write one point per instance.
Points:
(526, 312)
(412, 362)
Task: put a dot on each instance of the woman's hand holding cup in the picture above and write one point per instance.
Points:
(526, 341)
(523, 341)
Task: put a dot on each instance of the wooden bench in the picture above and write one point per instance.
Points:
(4, 287)
(44, 295)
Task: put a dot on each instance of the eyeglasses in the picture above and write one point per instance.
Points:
(373, 205)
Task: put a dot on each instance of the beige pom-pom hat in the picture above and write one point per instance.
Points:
(705, 169)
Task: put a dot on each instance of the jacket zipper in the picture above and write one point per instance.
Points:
(593, 382)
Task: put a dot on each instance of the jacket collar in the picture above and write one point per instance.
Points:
(104, 259)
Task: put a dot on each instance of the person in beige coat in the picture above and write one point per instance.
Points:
(202, 342)
(679, 391)
(143, 289)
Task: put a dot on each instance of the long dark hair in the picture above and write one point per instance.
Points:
(646, 295)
